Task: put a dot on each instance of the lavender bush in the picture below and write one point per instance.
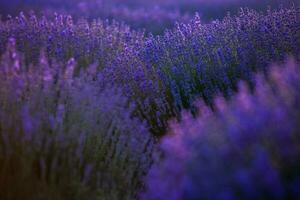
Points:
(66, 137)
(249, 148)
(201, 60)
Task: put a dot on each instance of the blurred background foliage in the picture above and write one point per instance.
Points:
(153, 16)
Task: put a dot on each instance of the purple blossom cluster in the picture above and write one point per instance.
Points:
(64, 136)
(248, 148)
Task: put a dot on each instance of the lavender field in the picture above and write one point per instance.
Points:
(149, 100)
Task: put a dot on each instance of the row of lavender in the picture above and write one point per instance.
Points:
(197, 60)
(248, 148)
(163, 75)
(153, 16)
(84, 95)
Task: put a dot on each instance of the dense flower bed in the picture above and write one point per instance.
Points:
(163, 75)
(84, 103)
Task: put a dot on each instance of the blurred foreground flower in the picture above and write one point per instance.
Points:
(66, 137)
(248, 149)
